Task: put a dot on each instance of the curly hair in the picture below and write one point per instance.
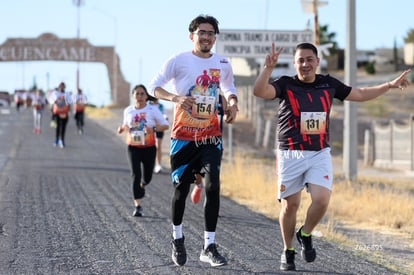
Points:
(202, 19)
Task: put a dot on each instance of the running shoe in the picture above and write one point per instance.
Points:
(196, 194)
(157, 169)
(287, 260)
(212, 256)
(61, 144)
(55, 143)
(308, 252)
(179, 254)
(138, 211)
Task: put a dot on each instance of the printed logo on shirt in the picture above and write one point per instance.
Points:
(136, 129)
(201, 119)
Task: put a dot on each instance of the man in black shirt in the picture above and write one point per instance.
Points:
(303, 153)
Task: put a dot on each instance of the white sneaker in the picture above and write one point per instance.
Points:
(157, 169)
(61, 144)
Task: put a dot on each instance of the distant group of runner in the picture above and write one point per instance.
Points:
(61, 103)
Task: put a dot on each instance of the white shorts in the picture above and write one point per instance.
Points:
(297, 168)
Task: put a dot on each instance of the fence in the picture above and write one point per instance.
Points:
(262, 113)
(392, 145)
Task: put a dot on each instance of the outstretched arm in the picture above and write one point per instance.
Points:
(368, 93)
(262, 88)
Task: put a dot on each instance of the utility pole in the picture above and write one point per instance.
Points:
(350, 149)
(115, 64)
(47, 81)
(316, 40)
(312, 7)
(114, 85)
(78, 3)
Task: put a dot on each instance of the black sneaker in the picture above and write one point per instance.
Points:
(179, 255)
(287, 260)
(308, 252)
(210, 255)
(138, 211)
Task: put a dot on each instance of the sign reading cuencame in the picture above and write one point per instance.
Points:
(258, 43)
(48, 52)
(47, 47)
(50, 47)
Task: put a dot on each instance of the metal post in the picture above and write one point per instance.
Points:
(230, 142)
(367, 147)
(114, 82)
(47, 81)
(78, 3)
(115, 64)
(316, 40)
(311, 6)
(412, 141)
(266, 136)
(350, 149)
(259, 127)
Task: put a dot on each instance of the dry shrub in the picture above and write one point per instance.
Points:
(252, 182)
(368, 203)
(249, 182)
(93, 112)
(377, 205)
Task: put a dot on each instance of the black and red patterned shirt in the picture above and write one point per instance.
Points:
(304, 111)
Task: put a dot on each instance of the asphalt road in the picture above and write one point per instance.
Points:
(68, 211)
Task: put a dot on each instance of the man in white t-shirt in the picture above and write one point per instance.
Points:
(198, 77)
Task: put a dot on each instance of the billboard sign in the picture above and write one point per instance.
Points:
(258, 43)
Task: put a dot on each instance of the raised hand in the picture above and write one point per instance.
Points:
(271, 59)
(400, 82)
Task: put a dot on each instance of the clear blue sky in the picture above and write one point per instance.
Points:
(147, 32)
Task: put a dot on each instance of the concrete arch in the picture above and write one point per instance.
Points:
(49, 47)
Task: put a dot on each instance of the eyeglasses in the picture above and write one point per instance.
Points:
(209, 34)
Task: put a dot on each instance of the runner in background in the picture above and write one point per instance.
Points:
(48, 98)
(79, 100)
(159, 135)
(140, 122)
(18, 99)
(27, 98)
(38, 105)
(60, 100)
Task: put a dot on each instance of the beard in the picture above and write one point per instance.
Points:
(205, 48)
